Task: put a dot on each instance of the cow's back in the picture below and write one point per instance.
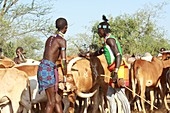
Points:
(6, 63)
(12, 83)
(11, 78)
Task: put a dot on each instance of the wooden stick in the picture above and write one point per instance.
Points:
(140, 97)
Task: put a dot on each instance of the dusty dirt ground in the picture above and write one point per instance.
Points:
(162, 110)
(159, 110)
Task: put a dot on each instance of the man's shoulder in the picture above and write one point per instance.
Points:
(60, 39)
(57, 38)
(111, 40)
(112, 37)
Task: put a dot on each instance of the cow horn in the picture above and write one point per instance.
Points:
(85, 95)
(71, 62)
(4, 100)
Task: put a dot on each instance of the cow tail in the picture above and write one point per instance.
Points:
(134, 72)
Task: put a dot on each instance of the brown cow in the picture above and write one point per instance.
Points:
(165, 79)
(6, 63)
(87, 75)
(80, 69)
(147, 74)
(12, 83)
(102, 78)
(31, 70)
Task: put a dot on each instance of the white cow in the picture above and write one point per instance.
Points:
(30, 67)
(36, 97)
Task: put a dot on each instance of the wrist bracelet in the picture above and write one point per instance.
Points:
(116, 70)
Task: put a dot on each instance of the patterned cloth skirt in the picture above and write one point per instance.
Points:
(47, 75)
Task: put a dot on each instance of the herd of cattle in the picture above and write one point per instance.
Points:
(86, 90)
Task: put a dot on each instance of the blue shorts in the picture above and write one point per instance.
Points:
(46, 74)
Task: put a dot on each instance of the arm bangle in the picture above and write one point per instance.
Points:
(117, 54)
(63, 48)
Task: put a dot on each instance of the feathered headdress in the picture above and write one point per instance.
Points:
(105, 24)
(104, 18)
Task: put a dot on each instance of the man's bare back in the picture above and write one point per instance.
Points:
(47, 73)
(53, 48)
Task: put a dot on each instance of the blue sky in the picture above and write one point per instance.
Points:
(81, 14)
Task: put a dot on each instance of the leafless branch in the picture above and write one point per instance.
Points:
(10, 5)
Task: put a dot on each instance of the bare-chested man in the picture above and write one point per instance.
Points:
(20, 57)
(47, 73)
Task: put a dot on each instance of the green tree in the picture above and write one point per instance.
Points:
(80, 42)
(19, 20)
(34, 49)
(138, 33)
